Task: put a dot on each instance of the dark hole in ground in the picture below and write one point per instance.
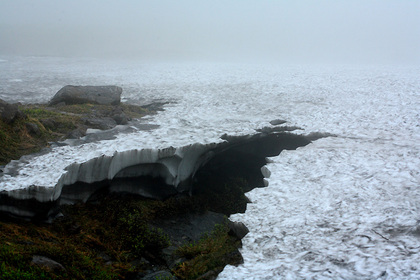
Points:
(232, 167)
(243, 159)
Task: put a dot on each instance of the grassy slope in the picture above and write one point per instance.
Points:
(16, 139)
(115, 227)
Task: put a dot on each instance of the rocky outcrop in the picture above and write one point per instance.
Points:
(104, 95)
(9, 112)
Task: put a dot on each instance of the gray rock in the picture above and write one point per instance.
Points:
(163, 274)
(170, 257)
(9, 112)
(47, 263)
(105, 257)
(48, 123)
(33, 129)
(76, 134)
(100, 123)
(140, 262)
(277, 122)
(238, 230)
(104, 95)
(155, 106)
(121, 118)
(210, 275)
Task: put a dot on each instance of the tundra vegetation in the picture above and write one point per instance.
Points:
(38, 125)
(114, 236)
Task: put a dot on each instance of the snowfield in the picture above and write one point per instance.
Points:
(343, 207)
(336, 209)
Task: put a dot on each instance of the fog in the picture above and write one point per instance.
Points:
(382, 31)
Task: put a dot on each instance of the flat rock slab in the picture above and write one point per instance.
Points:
(47, 263)
(104, 95)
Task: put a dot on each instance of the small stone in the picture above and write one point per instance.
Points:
(33, 129)
(210, 275)
(238, 230)
(139, 262)
(163, 274)
(265, 172)
(121, 119)
(104, 256)
(169, 250)
(100, 123)
(75, 134)
(47, 263)
(75, 228)
(277, 122)
(48, 123)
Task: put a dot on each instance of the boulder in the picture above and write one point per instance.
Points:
(9, 112)
(103, 95)
(238, 230)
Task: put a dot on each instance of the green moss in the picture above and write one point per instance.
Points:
(61, 122)
(16, 140)
(76, 108)
(135, 112)
(39, 112)
(54, 123)
(118, 227)
(123, 235)
(131, 111)
(212, 252)
(10, 137)
(138, 236)
(17, 266)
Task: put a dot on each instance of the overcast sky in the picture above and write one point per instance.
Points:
(370, 31)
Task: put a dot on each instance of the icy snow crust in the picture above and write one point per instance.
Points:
(345, 207)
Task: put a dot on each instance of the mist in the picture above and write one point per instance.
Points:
(329, 31)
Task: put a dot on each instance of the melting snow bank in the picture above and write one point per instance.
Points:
(339, 208)
(155, 173)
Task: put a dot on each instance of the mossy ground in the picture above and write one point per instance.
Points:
(109, 239)
(54, 123)
(210, 254)
(16, 140)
